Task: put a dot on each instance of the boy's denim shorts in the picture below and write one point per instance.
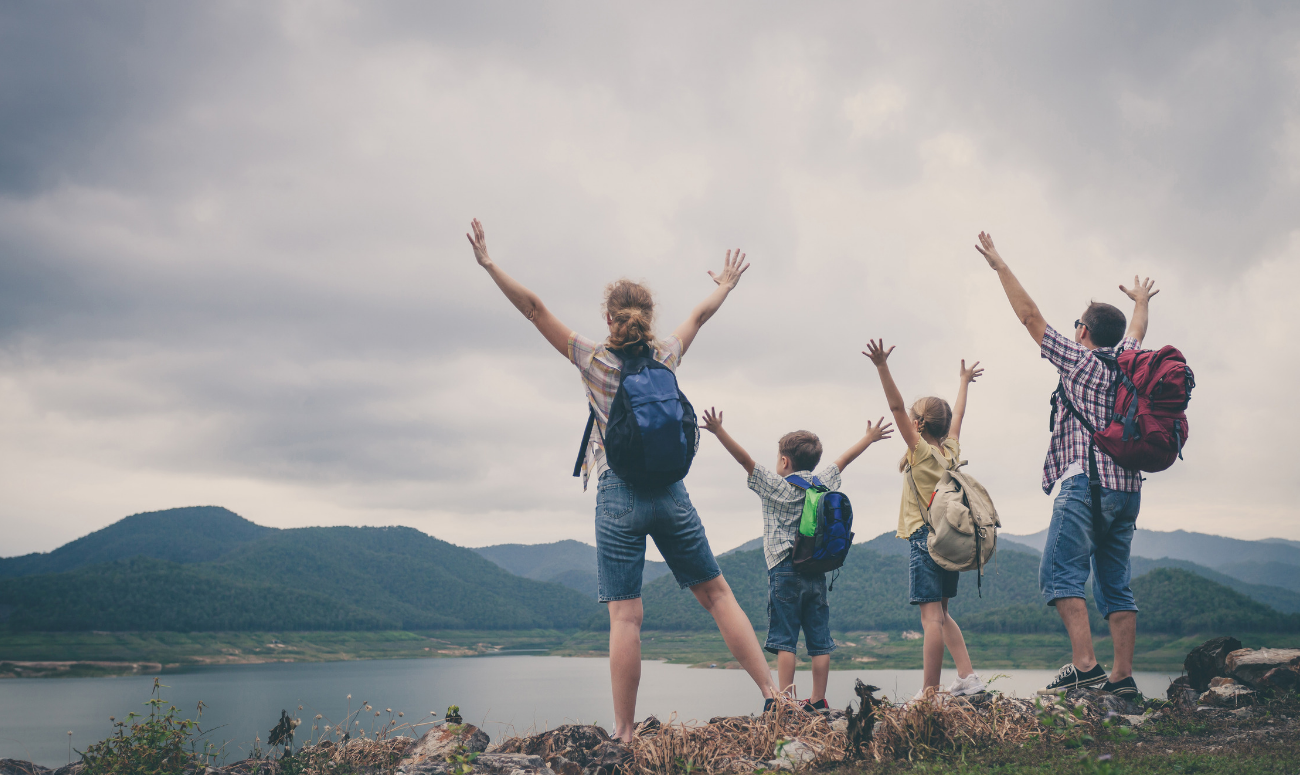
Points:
(625, 516)
(794, 601)
(928, 583)
(1072, 550)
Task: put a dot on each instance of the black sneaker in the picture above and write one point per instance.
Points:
(816, 707)
(768, 703)
(1069, 677)
(1125, 687)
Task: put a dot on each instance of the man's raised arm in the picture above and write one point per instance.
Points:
(1141, 294)
(1024, 307)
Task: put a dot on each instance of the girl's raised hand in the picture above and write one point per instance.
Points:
(876, 351)
(712, 420)
(971, 374)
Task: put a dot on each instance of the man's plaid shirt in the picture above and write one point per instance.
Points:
(1091, 386)
(783, 507)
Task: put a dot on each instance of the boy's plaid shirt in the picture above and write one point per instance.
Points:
(783, 507)
(1091, 386)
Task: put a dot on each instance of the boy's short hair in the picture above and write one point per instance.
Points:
(1105, 323)
(803, 448)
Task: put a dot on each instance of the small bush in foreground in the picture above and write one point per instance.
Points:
(162, 744)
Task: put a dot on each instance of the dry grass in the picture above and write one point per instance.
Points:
(925, 730)
(737, 744)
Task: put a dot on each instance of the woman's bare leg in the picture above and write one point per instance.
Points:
(716, 597)
(625, 662)
(956, 644)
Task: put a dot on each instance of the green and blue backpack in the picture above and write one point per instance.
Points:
(825, 528)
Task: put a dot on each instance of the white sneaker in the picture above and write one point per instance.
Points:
(971, 684)
(933, 695)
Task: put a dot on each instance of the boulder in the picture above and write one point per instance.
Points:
(17, 767)
(442, 741)
(573, 749)
(485, 764)
(794, 755)
(1104, 702)
(1251, 665)
(1281, 679)
(1231, 695)
(1207, 661)
(1180, 691)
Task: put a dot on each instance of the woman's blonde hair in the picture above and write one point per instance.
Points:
(631, 311)
(936, 419)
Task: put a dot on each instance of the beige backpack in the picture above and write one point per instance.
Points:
(963, 521)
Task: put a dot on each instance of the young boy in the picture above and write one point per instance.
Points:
(794, 600)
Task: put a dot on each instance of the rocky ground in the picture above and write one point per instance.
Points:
(1235, 711)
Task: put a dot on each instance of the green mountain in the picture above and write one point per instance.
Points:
(307, 578)
(871, 594)
(1279, 598)
(1271, 573)
(1218, 552)
(569, 563)
(187, 535)
(1178, 601)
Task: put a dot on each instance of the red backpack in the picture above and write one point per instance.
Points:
(1149, 427)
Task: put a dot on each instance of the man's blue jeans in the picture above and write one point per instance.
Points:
(1072, 549)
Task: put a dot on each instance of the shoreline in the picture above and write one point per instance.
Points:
(80, 654)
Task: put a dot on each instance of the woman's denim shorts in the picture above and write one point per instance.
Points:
(929, 582)
(626, 515)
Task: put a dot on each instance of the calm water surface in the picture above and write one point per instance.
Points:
(502, 694)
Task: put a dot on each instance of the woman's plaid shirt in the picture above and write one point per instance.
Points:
(783, 508)
(1091, 386)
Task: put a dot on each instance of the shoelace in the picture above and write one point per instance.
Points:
(1063, 672)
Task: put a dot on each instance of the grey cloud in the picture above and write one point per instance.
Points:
(231, 236)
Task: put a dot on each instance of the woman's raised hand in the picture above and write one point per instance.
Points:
(876, 351)
(479, 242)
(731, 270)
(971, 374)
(712, 420)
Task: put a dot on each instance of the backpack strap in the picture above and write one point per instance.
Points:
(803, 484)
(586, 439)
(1094, 476)
(920, 502)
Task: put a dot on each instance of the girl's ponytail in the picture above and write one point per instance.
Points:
(631, 311)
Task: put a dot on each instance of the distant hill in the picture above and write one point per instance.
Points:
(1265, 570)
(1209, 550)
(570, 563)
(186, 535)
(750, 545)
(307, 578)
(871, 594)
(1175, 600)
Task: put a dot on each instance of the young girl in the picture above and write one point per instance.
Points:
(931, 430)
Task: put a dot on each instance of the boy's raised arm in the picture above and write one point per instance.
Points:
(880, 356)
(959, 408)
(713, 424)
(882, 430)
(1024, 306)
(527, 302)
(732, 269)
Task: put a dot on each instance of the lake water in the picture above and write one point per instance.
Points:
(501, 694)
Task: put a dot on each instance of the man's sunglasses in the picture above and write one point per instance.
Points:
(1078, 323)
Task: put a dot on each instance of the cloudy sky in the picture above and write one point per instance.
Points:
(233, 268)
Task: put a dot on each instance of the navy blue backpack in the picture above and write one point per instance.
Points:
(825, 530)
(652, 433)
